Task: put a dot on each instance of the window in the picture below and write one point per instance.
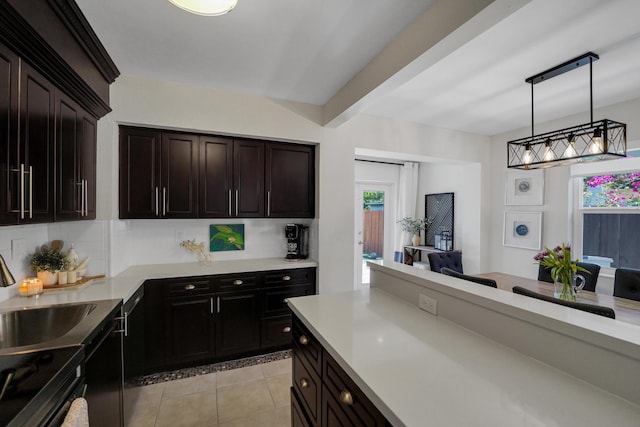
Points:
(608, 213)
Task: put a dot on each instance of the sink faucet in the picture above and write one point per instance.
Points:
(6, 278)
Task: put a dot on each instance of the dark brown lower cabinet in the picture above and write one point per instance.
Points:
(330, 397)
(237, 323)
(202, 319)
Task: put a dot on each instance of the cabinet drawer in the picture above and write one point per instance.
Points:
(307, 386)
(306, 346)
(236, 282)
(274, 298)
(187, 286)
(294, 276)
(276, 331)
(346, 397)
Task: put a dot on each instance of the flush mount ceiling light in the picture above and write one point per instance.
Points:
(601, 140)
(206, 7)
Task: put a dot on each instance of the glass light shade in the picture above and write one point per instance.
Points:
(206, 7)
(596, 145)
(527, 159)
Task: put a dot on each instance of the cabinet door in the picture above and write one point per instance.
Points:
(88, 161)
(290, 180)
(9, 163)
(68, 186)
(248, 169)
(216, 177)
(237, 322)
(140, 173)
(190, 328)
(179, 175)
(36, 145)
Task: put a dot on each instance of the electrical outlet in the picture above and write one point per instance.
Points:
(428, 304)
(18, 249)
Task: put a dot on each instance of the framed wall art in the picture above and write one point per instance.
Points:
(523, 229)
(439, 208)
(524, 187)
(226, 237)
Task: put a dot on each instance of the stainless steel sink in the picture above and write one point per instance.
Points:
(38, 325)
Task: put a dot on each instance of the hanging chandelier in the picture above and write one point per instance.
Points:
(593, 141)
(206, 7)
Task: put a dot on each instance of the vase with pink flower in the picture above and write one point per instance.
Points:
(564, 271)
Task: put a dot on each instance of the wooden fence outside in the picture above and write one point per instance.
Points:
(373, 232)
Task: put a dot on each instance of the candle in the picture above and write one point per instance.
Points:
(30, 286)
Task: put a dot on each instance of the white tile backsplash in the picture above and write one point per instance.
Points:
(114, 245)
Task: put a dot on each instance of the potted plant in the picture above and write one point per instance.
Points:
(414, 226)
(46, 262)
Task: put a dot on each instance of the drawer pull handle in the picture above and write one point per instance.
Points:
(238, 282)
(346, 398)
(286, 278)
(304, 383)
(286, 329)
(190, 287)
(303, 340)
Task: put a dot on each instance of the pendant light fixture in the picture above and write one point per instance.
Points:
(593, 141)
(206, 7)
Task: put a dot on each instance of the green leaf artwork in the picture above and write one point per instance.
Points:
(226, 237)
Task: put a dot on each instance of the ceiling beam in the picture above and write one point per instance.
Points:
(442, 29)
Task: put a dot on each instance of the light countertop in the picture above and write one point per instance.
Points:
(420, 369)
(125, 284)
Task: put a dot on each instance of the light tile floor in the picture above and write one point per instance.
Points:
(245, 397)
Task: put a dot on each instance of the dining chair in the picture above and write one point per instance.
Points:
(448, 259)
(481, 280)
(626, 283)
(591, 278)
(590, 308)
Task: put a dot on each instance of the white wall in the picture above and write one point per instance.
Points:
(177, 106)
(465, 182)
(556, 222)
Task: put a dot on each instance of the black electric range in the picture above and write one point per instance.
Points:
(36, 387)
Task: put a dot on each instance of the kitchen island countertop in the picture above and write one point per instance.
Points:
(420, 369)
(125, 284)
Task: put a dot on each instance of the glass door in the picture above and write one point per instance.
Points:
(372, 230)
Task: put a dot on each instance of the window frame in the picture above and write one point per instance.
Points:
(576, 211)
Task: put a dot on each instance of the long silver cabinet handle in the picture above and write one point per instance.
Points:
(30, 191)
(22, 191)
(230, 203)
(269, 203)
(217, 304)
(237, 193)
(211, 301)
(164, 201)
(86, 197)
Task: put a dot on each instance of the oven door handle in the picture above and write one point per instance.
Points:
(7, 376)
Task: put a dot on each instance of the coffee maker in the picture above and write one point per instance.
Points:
(297, 241)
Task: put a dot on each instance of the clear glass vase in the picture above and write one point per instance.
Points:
(567, 290)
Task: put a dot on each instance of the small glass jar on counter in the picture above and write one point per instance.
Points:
(31, 286)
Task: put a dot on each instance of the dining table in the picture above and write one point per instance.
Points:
(627, 310)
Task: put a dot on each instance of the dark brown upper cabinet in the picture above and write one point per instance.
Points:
(9, 161)
(216, 178)
(35, 150)
(231, 178)
(290, 180)
(210, 176)
(75, 161)
(54, 85)
(158, 174)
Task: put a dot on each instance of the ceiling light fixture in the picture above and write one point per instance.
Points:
(601, 140)
(206, 7)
